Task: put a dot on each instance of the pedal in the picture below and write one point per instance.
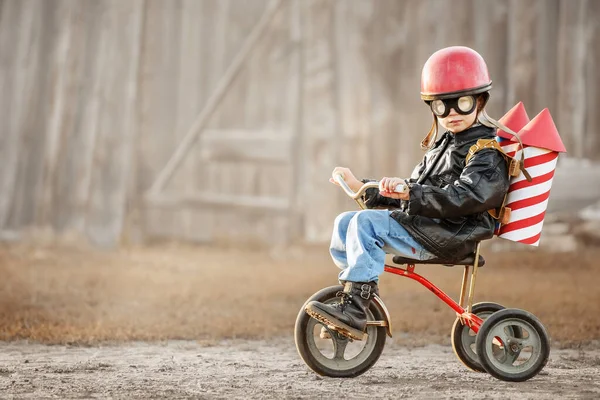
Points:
(355, 335)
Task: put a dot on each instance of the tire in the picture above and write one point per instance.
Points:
(463, 338)
(497, 345)
(310, 347)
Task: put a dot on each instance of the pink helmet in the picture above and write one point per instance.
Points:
(454, 71)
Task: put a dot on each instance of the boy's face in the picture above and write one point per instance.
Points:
(457, 122)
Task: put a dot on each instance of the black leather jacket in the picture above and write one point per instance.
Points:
(447, 209)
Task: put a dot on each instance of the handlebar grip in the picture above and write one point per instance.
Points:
(401, 188)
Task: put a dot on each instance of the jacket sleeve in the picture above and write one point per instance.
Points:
(373, 199)
(481, 186)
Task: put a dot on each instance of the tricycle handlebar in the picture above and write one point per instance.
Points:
(357, 196)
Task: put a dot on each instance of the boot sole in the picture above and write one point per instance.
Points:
(336, 325)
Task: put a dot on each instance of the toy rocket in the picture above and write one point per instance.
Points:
(528, 201)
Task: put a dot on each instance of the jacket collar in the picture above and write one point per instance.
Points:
(475, 132)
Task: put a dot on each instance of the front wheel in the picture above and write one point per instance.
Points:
(511, 357)
(334, 354)
(463, 337)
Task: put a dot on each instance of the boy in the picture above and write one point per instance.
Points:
(443, 214)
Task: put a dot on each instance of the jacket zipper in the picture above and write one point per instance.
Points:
(425, 174)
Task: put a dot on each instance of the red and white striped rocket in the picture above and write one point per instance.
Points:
(528, 201)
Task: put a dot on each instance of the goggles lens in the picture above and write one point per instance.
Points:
(463, 105)
(438, 107)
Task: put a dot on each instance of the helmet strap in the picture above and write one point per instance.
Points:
(429, 139)
(485, 96)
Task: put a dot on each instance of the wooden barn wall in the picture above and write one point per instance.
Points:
(97, 94)
(68, 116)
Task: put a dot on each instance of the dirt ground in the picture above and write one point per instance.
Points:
(270, 370)
(206, 322)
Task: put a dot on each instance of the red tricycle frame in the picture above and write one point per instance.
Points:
(464, 313)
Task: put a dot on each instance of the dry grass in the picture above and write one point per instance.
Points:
(58, 294)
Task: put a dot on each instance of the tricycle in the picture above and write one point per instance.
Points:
(508, 343)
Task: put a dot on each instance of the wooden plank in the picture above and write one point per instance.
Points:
(63, 69)
(383, 58)
(219, 200)
(117, 124)
(190, 89)
(159, 71)
(273, 65)
(295, 82)
(392, 67)
(78, 124)
(571, 76)
(26, 52)
(491, 41)
(231, 177)
(240, 145)
(224, 46)
(159, 103)
(592, 79)
(459, 28)
(35, 103)
(521, 73)
(352, 85)
(320, 117)
(14, 49)
(414, 117)
(134, 222)
(545, 65)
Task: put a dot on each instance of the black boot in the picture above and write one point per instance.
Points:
(349, 316)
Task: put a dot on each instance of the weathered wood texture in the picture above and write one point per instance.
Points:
(97, 95)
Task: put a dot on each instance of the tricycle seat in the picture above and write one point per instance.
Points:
(469, 260)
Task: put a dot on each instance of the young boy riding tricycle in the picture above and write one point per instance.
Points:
(452, 201)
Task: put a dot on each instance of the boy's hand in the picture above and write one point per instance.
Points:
(348, 176)
(387, 187)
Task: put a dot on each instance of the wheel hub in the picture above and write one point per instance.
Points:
(514, 346)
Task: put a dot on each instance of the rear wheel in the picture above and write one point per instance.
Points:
(334, 354)
(511, 357)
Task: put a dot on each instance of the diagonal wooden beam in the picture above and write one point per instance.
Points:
(214, 100)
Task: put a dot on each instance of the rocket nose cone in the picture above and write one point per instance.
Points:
(541, 132)
(516, 118)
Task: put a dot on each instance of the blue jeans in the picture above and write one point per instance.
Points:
(361, 239)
